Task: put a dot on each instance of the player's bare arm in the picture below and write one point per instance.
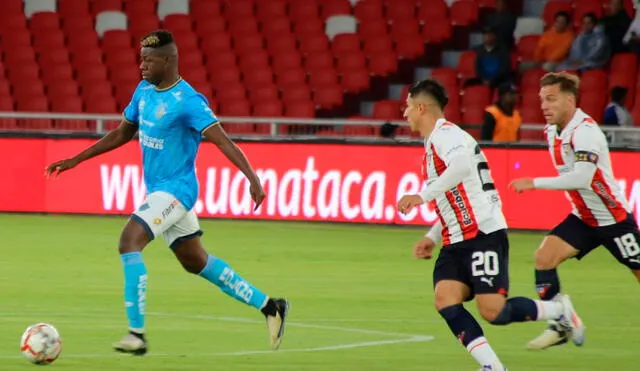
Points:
(216, 135)
(114, 139)
(423, 249)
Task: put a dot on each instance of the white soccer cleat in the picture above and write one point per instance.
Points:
(571, 320)
(131, 344)
(552, 336)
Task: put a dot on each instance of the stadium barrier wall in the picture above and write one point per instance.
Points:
(340, 182)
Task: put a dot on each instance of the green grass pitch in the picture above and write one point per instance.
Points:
(359, 301)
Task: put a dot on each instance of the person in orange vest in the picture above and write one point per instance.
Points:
(502, 120)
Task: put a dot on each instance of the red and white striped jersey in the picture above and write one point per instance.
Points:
(472, 205)
(582, 140)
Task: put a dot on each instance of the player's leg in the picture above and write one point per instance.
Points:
(450, 292)
(623, 242)
(184, 240)
(159, 211)
(571, 238)
(489, 272)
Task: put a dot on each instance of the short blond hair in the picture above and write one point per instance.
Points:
(569, 83)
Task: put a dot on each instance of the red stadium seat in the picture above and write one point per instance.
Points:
(271, 9)
(294, 76)
(401, 10)
(335, 7)
(324, 77)
(369, 9)
(261, 93)
(328, 96)
(526, 47)
(345, 43)
(387, 110)
(355, 81)
(300, 109)
(476, 96)
(293, 93)
(467, 65)
(464, 13)
(271, 108)
(383, 63)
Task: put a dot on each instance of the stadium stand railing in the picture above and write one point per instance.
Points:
(294, 127)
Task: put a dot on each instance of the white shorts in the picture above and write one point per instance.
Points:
(161, 213)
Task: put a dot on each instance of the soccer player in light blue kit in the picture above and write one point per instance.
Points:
(171, 118)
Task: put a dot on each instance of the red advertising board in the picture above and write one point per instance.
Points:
(332, 182)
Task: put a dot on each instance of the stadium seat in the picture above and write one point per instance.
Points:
(300, 109)
(32, 7)
(400, 11)
(331, 8)
(430, 10)
(467, 65)
(528, 26)
(387, 110)
(167, 7)
(294, 93)
(526, 47)
(369, 9)
(110, 20)
(355, 81)
(340, 24)
(263, 93)
(438, 31)
(291, 77)
(328, 96)
(100, 6)
(476, 96)
(270, 108)
(464, 13)
(585, 7)
(383, 63)
(323, 77)
(345, 43)
(266, 10)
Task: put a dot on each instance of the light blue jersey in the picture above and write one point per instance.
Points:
(170, 122)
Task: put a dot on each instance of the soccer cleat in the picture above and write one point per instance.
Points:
(571, 320)
(276, 317)
(552, 336)
(131, 344)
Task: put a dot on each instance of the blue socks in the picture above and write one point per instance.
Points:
(547, 283)
(218, 272)
(518, 309)
(135, 290)
(462, 323)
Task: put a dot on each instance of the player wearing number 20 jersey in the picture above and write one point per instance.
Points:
(474, 259)
(601, 214)
(472, 206)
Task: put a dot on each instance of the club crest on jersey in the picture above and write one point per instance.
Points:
(161, 111)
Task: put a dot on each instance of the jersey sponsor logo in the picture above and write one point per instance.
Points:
(151, 142)
(166, 212)
(601, 190)
(464, 212)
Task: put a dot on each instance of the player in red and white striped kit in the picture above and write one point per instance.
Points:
(474, 259)
(601, 215)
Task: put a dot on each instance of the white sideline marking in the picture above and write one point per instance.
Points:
(406, 338)
(414, 339)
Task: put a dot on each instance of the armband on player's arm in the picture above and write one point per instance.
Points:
(435, 233)
(458, 168)
(579, 178)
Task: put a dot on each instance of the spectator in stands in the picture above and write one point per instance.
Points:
(555, 43)
(388, 130)
(632, 37)
(616, 114)
(503, 22)
(616, 25)
(502, 120)
(590, 49)
(493, 62)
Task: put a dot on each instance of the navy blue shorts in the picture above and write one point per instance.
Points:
(481, 263)
(621, 239)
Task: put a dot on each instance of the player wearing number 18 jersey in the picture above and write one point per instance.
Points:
(474, 259)
(601, 214)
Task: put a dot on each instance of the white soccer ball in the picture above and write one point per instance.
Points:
(41, 343)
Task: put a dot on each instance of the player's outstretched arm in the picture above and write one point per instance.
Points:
(114, 139)
(216, 135)
(424, 248)
(457, 169)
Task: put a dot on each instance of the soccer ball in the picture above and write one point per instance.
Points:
(41, 344)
